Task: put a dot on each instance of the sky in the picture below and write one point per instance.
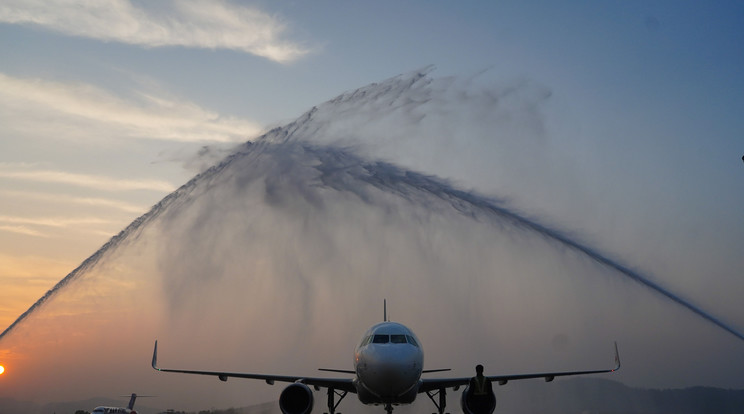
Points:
(107, 107)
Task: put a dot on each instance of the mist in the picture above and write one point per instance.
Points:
(426, 192)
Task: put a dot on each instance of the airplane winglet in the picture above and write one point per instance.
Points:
(617, 358)
(155, 356)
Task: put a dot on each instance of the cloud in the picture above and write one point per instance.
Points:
(72, 110)
(22, 230)
(31, 226)
(9, 170)
(41, 226)
(24, 225)
(197, 24)
(57, 199)
(52, 222)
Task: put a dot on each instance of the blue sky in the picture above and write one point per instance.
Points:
(103, 108)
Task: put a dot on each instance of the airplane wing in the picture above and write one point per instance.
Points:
(431, 384)
(341, 384)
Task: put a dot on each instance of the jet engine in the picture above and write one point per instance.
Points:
(477, 404)
(297, 398)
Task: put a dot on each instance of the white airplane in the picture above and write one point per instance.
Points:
(388, 364)
(118, 410)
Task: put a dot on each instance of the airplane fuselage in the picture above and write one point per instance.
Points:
(117, 410)
(388, 364)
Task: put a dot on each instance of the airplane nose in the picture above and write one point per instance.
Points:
(393, 374)
(395, 367)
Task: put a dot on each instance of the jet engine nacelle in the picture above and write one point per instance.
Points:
(477, 404)
(296, 399)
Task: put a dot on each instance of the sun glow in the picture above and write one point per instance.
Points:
(2, 369)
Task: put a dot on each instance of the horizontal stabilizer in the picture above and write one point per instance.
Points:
(343, 371)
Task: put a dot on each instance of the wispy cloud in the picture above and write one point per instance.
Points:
(198, 24)
(77, 109)
(57, 199)
(40, 226)
(10, 170)
(21, 230)
(51, 221)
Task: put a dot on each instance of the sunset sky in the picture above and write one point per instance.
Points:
(105, 107)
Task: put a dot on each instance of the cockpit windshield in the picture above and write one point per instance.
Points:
(386, 339)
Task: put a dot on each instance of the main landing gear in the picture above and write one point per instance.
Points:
(442, 393)
(331, 395)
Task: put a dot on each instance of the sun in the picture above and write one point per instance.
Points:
(2, 369)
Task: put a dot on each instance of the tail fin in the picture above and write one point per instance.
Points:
(131, 401)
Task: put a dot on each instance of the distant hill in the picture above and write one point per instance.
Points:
(571, 396)
(591, 395)
(9, 406)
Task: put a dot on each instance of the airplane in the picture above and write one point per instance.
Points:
(117, 410)
(388, 364)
